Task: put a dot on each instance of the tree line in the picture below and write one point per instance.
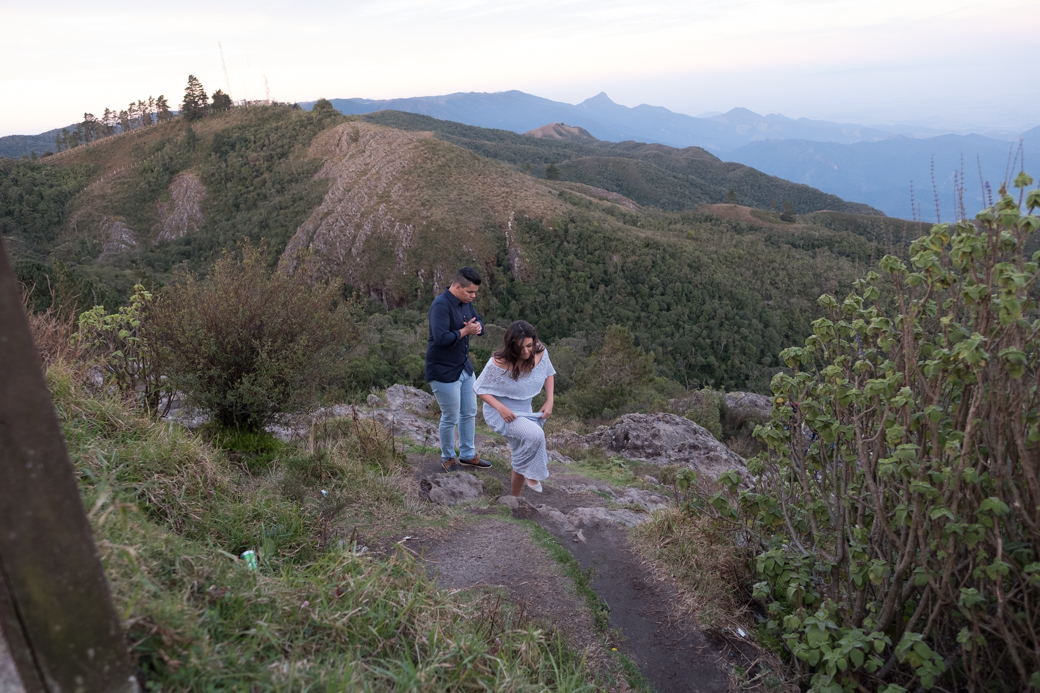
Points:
(142, 113)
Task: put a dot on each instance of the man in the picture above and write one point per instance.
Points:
(449, 371)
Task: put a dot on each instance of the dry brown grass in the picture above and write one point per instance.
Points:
(704, 565)
(52, 332)
(736, 213)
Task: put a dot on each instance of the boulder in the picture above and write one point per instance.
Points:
(372, 400)
(515, 502)
(401, 422)
(648, 500)
(750, 405)
(405, 398)
(565, 439)
(557, 456)
(451, 489)
(666, 439)
(557, 521)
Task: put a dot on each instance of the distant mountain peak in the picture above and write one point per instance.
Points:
(601, 99)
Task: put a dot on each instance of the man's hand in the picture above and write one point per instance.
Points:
(547, 409)
(470, 328)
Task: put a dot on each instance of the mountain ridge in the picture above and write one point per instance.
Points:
(651, 174)
(602, 117)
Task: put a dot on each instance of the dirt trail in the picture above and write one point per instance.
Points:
(670, 651)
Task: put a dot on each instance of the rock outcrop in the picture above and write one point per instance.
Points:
(406, 398)
(451, 489)
(750, 405)
(183, 213)
(666, 439)
(574, 521)
(116, 237)
(566, 440)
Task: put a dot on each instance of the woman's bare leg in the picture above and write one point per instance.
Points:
(516, 483)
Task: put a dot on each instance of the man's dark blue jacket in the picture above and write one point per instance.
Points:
(447, 352)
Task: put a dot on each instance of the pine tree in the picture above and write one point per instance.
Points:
(89, 127)
(124, 121)
(195, 102)
(163, 108)
(552, 172)
(109, 120)
(57, 142)
(731, 197)
(788, 214)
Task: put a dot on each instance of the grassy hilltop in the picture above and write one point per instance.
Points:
(714, 292)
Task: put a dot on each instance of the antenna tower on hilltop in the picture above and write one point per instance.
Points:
(267, 89)
(227, 82)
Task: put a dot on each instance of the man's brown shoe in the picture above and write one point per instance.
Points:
(476, 462)
(451, 465)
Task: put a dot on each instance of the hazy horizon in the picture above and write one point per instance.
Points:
(895, 62)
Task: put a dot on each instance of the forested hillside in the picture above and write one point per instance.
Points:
(712, 294)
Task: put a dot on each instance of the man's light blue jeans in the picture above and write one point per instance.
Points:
(458, 405)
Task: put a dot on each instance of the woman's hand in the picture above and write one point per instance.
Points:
(506, 413)
(547, 408)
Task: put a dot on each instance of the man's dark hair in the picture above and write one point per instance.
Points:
(467, 276)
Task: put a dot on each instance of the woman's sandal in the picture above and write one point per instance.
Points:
(536, 487)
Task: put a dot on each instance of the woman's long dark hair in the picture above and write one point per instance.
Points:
(513, 345)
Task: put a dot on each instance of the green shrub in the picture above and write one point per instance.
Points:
(248, 344)
(902, 547)
(131, 359)
(708, 409)
(615, 379)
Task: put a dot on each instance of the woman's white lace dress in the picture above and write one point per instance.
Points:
(525, 436)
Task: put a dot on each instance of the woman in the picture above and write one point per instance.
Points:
(510, 380)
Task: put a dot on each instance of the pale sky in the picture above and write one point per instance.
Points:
(951, 64)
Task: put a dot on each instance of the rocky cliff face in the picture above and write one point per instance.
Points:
(183, 213)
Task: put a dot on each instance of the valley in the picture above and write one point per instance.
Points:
(390, 204)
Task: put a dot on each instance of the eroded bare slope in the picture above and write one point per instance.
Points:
(412, 204)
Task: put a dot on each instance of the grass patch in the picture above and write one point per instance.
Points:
(704, 563)
(171, 514)
(597, 464)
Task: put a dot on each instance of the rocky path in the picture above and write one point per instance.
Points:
(589, 517)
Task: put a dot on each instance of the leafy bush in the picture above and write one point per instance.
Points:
(708, 410)
(902, 547)
(131, 359)
(248, 344)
